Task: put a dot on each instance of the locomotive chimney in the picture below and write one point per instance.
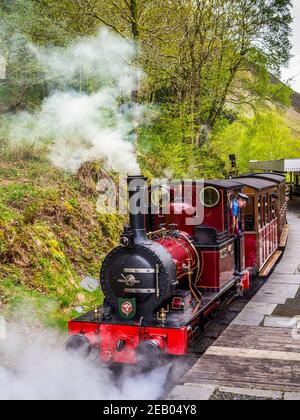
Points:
(138, 197)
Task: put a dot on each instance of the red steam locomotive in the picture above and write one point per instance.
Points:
(173, 268)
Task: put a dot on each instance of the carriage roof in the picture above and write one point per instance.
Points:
(258, 183)
(225, 183)
(269, 176)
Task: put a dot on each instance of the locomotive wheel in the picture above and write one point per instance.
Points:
(78, 345)
(149, 355)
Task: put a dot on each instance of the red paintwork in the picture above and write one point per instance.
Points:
(178, 213)
(106, 336)
(246, 280)
(215, 217)
(181, 252)
(218, 268)
(251, 250)
(267, 242)
(216, 305)
(259, 247)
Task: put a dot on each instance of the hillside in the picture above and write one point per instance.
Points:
(293, 115)
(296, 101)
(50, 236)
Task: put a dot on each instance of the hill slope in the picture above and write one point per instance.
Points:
(50, 236)
(293, 115)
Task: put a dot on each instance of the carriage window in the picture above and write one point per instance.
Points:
(267, 209)
(273, 207)
(249, 216)
(260, 213)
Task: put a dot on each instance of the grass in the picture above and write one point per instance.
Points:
(50, 237)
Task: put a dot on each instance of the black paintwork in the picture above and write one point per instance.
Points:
(175, 319)
(141, 256)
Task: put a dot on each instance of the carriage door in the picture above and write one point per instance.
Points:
(268, 232)
(261, 223)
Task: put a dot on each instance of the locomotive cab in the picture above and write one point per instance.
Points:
(213, 235)
(221, 257)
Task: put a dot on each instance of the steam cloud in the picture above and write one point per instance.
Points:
(33, 366)
(80, 124)
(89, 115)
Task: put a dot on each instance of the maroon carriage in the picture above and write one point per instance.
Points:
(265, 218)
(280, 198)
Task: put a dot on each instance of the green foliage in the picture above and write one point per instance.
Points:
(194, 52)
(165, 148)
(50, 236)
(263, 137)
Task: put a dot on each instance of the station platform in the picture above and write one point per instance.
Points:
(258, 355)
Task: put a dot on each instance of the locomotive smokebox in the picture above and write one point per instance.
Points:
(138, 205)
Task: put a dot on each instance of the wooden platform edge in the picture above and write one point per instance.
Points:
(284, 237)
(268, 267)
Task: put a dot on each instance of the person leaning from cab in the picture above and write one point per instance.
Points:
(238, 203)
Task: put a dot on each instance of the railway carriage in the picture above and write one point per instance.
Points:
(261, 233)
(265, 220)
(281, 202)
(170, 274)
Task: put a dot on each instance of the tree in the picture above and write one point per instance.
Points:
(221, 42)
(259, 38)
(206, 56)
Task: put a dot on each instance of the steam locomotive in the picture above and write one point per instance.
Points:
(174, 268)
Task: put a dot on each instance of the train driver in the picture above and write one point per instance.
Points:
(238, 203)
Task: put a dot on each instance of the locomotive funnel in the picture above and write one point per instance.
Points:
(138, 198)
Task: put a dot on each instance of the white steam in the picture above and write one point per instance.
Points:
(34, 366)
(90, 114)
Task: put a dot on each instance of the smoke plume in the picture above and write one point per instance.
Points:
(34, 366)
(90, 114)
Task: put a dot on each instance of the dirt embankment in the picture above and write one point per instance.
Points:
(50, 236)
